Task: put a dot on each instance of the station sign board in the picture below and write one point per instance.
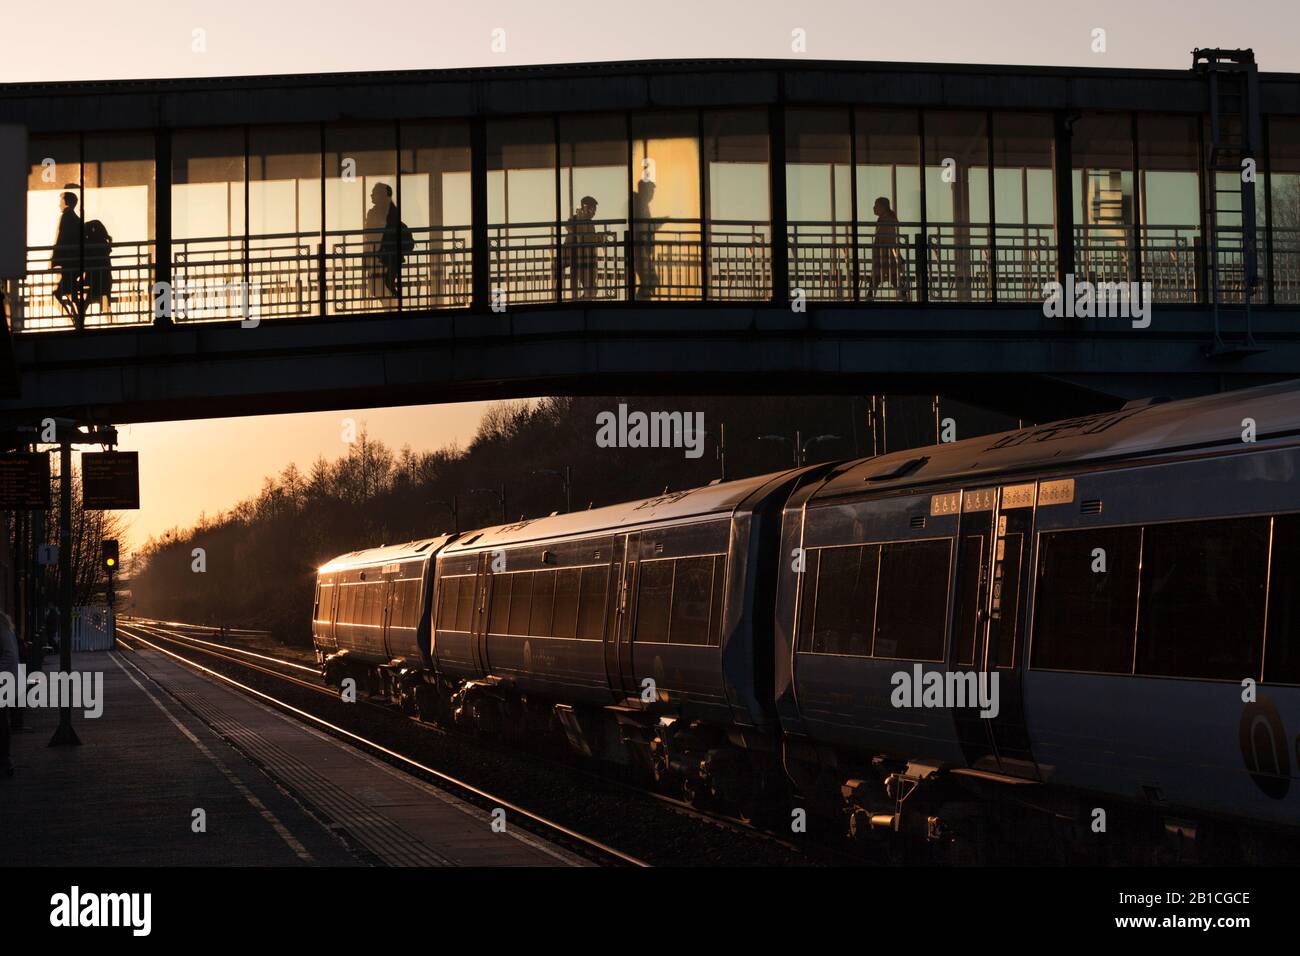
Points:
(25, 482)
(110, 480)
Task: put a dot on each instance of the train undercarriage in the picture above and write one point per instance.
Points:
(894, 810)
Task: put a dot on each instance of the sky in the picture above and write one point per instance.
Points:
(208, 466)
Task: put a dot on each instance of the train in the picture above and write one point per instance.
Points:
(1083, 635)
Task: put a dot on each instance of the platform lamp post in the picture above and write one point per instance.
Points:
(64, 735)
(108, 559)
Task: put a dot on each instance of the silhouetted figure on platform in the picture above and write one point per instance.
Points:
(389, 241)
(99, 269)
(647, 274)
(581, 241)
(66, 259)
(8, 665)
(886, 257)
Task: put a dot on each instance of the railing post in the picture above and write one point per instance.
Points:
(480, 262)
(1064, 160)
(776, 180)
(162, 214)
(922, 269)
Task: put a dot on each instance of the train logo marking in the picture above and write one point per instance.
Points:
(1264, 748)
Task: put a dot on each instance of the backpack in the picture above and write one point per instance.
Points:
(99, 244)
(406, 239)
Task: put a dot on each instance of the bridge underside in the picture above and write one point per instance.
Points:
(1011, 359)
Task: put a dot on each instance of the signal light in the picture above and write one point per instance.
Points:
(108, 555)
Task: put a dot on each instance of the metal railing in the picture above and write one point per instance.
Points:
(99, 291)
(663, 260)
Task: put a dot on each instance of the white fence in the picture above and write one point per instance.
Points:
(92, 629)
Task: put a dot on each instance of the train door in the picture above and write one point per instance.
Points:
(627, 614)
(386, 617)
(479, 620)
(614, 617)
(988, 626)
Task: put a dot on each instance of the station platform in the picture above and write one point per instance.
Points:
(272, 791)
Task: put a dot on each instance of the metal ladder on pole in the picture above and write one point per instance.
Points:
(1234, 139)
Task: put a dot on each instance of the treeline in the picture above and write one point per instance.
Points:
(258, 560)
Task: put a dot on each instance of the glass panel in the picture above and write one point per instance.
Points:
(717, 605)
(819, 203)
(888, 173)
(50, 296)
(1169, 163)
(911, 604)
(499, 616)
(284, 221)
(1284, 205)
(521, 596)
(1202, 604)
(957, 206)
(1085, 618)
(1282, 643)
(363, 224)
(591, 606)
(654, 596)
(448, 589)
(465, 604)
(435, 196)
(1024, 190)
(539, 618)
(565, 622)
(740, 210)
(666, 206)
(593, 197)
(846, 600)
(692, 586)
(522, 209)
(118, 195)
(207, 220)
(1102, 181)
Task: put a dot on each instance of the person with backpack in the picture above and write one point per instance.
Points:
(99, 268)
(395, 242)
(66, 260)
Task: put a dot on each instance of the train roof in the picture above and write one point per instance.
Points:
(714, 499)
(1137, 429)
(385, 554)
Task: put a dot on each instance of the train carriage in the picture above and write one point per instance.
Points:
(1127, 584)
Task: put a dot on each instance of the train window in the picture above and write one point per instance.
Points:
(692, 587)
(808, 598)
(1085, 619)
(653, 601)
(564, 622)
(539, 619)
(591, 603)
(396, 601)
(846, 600)
(1282, 645)
(718, 601)
(912, 600)
(369, 595)
(521, 601)
(410, 602)
(465, 604)
(1201, 611)
(447, 588)
(499, 616)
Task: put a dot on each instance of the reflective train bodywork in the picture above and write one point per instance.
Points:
(1117, 597)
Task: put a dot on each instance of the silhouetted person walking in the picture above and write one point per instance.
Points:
(581, 241)
(886, 258)
(66, 259)
(647, 274)
(389, 241)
